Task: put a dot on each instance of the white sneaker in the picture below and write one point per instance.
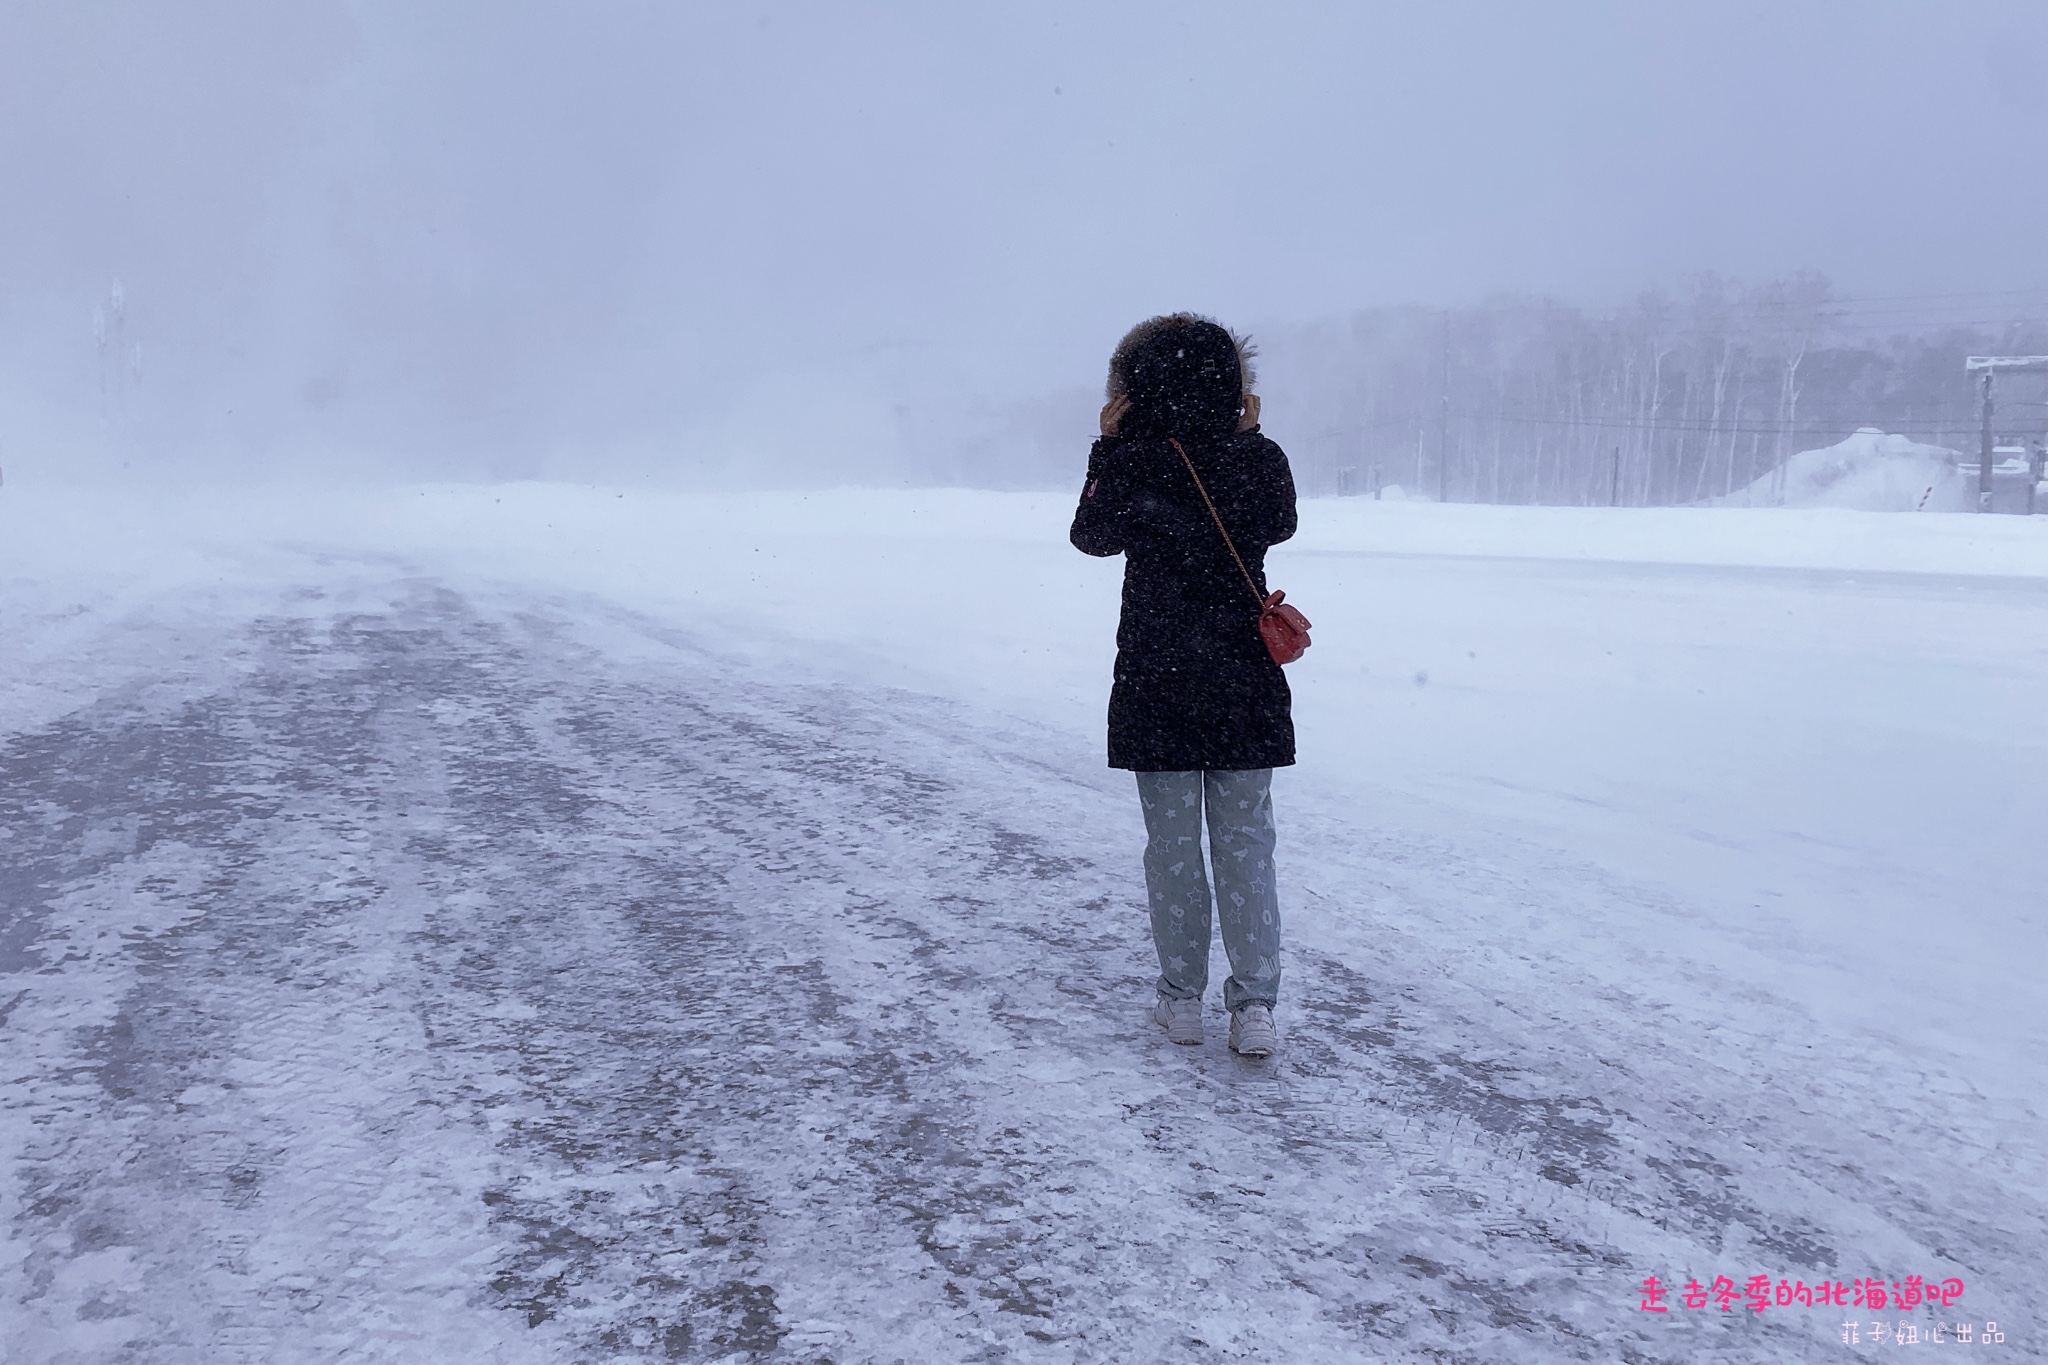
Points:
(1182, 1020)
(1251, 1031)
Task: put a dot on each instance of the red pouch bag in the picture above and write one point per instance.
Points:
(1284, 630)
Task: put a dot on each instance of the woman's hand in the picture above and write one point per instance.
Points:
(1112, 413)
(1250, 417)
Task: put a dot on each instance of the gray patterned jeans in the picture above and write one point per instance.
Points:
(1240, 811)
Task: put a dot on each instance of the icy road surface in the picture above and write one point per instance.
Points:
(403, 967)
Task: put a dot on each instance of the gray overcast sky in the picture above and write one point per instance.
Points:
(423, 229)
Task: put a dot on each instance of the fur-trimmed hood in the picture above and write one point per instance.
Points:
(1184, 374)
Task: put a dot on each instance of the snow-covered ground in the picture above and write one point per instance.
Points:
(548, 923)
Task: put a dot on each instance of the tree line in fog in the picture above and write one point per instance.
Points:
(1671, 399)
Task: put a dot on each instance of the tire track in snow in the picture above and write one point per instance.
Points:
(216, 1128)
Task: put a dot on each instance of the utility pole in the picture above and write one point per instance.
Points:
(1614, 483)
(1443, 421)
(1984, 444)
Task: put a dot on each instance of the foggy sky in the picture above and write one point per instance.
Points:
(442, 238)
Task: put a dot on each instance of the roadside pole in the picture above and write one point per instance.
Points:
(1443, 421)
(1984, 449)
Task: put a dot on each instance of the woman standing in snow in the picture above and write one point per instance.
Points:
(1199, 710)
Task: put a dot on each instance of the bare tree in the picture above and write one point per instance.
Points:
(1704, 393)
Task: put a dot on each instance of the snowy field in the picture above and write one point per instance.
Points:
(559, 924)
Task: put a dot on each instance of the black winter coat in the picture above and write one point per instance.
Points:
(1194, 686)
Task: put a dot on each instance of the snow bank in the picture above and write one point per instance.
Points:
(1822, 538)
(1868, 472)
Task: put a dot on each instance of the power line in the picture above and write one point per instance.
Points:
(1937, 316)
(1777, 315)
(1960, 420)
(2038, 290)
(1695, 427)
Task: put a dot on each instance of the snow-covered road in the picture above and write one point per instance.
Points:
(427, 970)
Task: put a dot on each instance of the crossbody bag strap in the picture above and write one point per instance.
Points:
(1215, 516)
